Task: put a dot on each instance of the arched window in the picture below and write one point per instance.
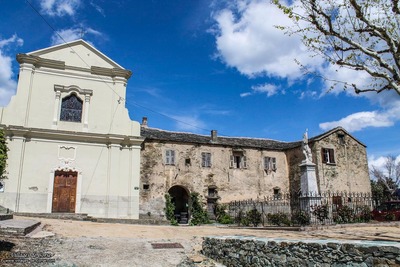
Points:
(71, 109)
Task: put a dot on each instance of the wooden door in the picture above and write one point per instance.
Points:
(64, 192)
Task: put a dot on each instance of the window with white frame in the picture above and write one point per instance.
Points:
(238, 160)
(205, 159)
(328, 155)
(169, 157)
(270, 163)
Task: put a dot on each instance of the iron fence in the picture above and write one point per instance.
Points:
(304, 209)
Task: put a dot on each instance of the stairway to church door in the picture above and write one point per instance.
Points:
(64, 193)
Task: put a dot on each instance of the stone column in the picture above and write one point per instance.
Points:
(309, 193)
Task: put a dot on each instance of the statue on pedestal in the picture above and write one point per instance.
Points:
(306, 149)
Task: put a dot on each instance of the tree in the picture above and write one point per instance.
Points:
(3, 155)
(362, 35)
(387, 181)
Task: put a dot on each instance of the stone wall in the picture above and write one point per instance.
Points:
(230, 183)
(247, 251)
(349, 172)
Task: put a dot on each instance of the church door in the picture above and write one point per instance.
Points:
(64, 193)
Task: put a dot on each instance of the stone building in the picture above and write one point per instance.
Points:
(228, 168)
(72, 146)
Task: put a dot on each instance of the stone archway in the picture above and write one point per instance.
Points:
(180, 197)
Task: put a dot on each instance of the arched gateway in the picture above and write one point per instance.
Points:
(180, 198)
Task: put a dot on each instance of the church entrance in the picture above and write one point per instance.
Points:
(64, 191)
(180, 198)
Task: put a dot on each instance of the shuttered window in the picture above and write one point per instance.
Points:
(238, 160)
(170, 157)
(206, 159)
(270, 163)
(328, 155)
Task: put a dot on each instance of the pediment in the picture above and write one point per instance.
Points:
(77, 54)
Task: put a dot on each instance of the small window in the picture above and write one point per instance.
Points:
(206, 159)
(277, 193)
(187, 162)
(341, 139)
(170, 157)
(269, 163)
(71, 109)
(146, 186)
(328, 156)
(212, 192)
(238, 160)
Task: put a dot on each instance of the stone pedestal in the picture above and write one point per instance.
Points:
(309, 193)
(308, 179)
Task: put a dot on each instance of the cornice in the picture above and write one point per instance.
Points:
(83, 137)
(114, 72)
(57, 64)
(40, 62)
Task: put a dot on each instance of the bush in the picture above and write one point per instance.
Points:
(254, 217)
(321, 212)
(365, 214)
(390, 217)
(301, 218)
(279, 219)
(170, 210)
(221, 215)
(344, 215)
(198, 214)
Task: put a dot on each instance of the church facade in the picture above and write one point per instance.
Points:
(72, 146)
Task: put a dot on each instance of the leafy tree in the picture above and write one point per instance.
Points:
(362, 35)
(387, 180)
(3, 154)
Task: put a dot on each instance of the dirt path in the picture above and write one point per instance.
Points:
(79, 243)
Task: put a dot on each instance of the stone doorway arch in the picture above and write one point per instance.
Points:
(180, 197)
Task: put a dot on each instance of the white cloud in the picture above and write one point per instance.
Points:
(379, 162)
(98, 8)
(72, 34)
(360, 120)
(7, 84)
(248, 40)
(267, 88)
(59, 7)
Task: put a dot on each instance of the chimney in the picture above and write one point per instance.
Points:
(144, 122)
(214, 135)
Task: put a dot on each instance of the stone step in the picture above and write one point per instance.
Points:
(63, 216)
(18, 227)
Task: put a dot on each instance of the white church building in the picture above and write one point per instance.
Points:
(72, 146)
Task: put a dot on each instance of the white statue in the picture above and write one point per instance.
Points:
(306, 149)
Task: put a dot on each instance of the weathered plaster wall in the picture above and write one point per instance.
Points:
(350, 171)
(235, 251)
(232, 184)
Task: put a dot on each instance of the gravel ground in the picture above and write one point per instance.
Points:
(78, 243)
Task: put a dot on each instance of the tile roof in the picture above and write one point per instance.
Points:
(179, 137)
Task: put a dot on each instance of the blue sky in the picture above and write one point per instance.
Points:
(203, 65)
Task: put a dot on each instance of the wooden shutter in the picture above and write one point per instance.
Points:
(331, 156)
(244, 162)
(232, 162)
(203, 159)
(273, 164)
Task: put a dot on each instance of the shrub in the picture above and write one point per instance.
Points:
(365, 214)
(321, 212)
(344, 215)
(221, 215)
(198, 214)
(254, 217)
(170, 210)
(279, 219)
(301, 218)
(390, 217)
